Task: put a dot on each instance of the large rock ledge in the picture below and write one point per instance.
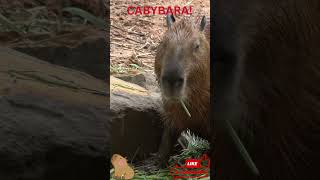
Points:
(53, 121)
(84, 49)
(136, 128)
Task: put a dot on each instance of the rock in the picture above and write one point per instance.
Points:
(138, 79)
(146, 80)
(137, 127)
(54, 121)
(151, 82)
(83, 50)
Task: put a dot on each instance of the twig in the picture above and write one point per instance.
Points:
(112, 42)
(131, 39)
(188, 3)
(146, 21)
(145, 54)
(134, 155)
(131, 32)
(144, 64)
(147, 43)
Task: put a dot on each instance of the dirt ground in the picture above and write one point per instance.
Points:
(134, 38)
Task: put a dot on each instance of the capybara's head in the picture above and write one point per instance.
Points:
(183, 58)
(118, 161)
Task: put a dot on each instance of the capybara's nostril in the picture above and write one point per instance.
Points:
(179, 82)
(173, 81)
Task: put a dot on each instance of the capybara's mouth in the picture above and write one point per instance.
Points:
(172, 97)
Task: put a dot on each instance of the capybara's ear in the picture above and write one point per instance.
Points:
(203, 23)
(170, 20)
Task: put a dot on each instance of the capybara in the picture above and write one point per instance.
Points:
(266, 70)
(182, 68)
(121, 168)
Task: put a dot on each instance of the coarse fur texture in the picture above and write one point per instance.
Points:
(267, 67)
(182, 67)
(196, 64)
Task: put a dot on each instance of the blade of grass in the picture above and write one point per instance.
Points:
(185, 108)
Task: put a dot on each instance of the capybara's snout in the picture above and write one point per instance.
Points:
(172, 84)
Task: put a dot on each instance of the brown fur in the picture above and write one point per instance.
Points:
(270, 49)
(183, 34)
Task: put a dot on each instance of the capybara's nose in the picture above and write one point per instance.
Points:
(173, 80)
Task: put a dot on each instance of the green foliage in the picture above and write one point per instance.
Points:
(135, 66)
(118, 69)
(98, 22)
(125, 70)
(195, 148)
(10, 25)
